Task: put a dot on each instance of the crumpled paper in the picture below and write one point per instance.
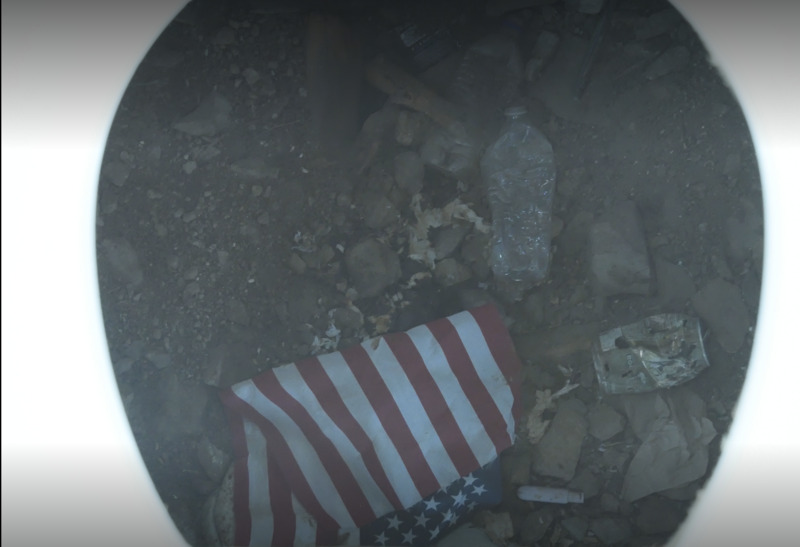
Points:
(675, 434)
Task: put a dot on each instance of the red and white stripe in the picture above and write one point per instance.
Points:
(335, 442)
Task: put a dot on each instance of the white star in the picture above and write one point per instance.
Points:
(469, 479)
(408, 537)
(431, 504)
(449, 516)
(434, 532)
(479, 489)
(381, 539)
(394, 522)
(422, 520)
(459, 499)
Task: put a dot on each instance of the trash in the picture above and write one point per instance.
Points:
(549, 495)
(404, 89)
(675, 435)
(374, 438)
(535, 424)
(425, 47)
(519, 171)
(658, 352)
(419, 247)
(489, 76)
(592, 6)
(450, 146)
(543, 52)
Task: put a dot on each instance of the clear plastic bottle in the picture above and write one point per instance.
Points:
(487, 81)
(519, 172)
(489, 76)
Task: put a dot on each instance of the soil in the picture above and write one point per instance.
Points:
(223, 232)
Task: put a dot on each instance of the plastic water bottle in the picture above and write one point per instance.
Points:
(489, 76)
(519, 172)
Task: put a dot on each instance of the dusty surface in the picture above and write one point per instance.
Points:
(224, 238)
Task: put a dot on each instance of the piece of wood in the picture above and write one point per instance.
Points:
(406, 90)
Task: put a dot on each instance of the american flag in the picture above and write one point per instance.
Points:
(339, 442)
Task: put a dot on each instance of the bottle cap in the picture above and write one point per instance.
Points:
(515, 111)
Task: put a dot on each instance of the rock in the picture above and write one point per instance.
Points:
(473, 298)
(379, 211)
(296, 264)
(124, 260)
(605, 422)
(182, 409)
(534, 308)
(116, 173)
(675, 285)
(518, 468)
(475, 248)
(219, 518)
(576, 527)
(557, 454)
(615, 458)
(189, 167)
(224, 36)
(347, 320)
(535, 525)
(167, 59)
(448, 238)
(210, 117)
(658, 515)
(253, 168)
(618, 257)
(720, 305)
(557, 345)
(745, 233)
(610, 530)
(675, 434)
(543, 52)
(372, 267)
(590, 7)
(498, 527)
(409, 127)
(159, 359)
(450, 272)
(587, 482)
(236, 312)
(320, 257)
(556, 227)
(573, 241)
(213, 460)
(674, 58)
(251, 76)
(409, 171)
(657, 23)
(609, 503)
(214, 365)
(466, 535)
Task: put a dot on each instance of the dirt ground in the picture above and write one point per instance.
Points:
(224, 223)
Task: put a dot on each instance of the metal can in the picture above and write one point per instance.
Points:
(657, 352)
